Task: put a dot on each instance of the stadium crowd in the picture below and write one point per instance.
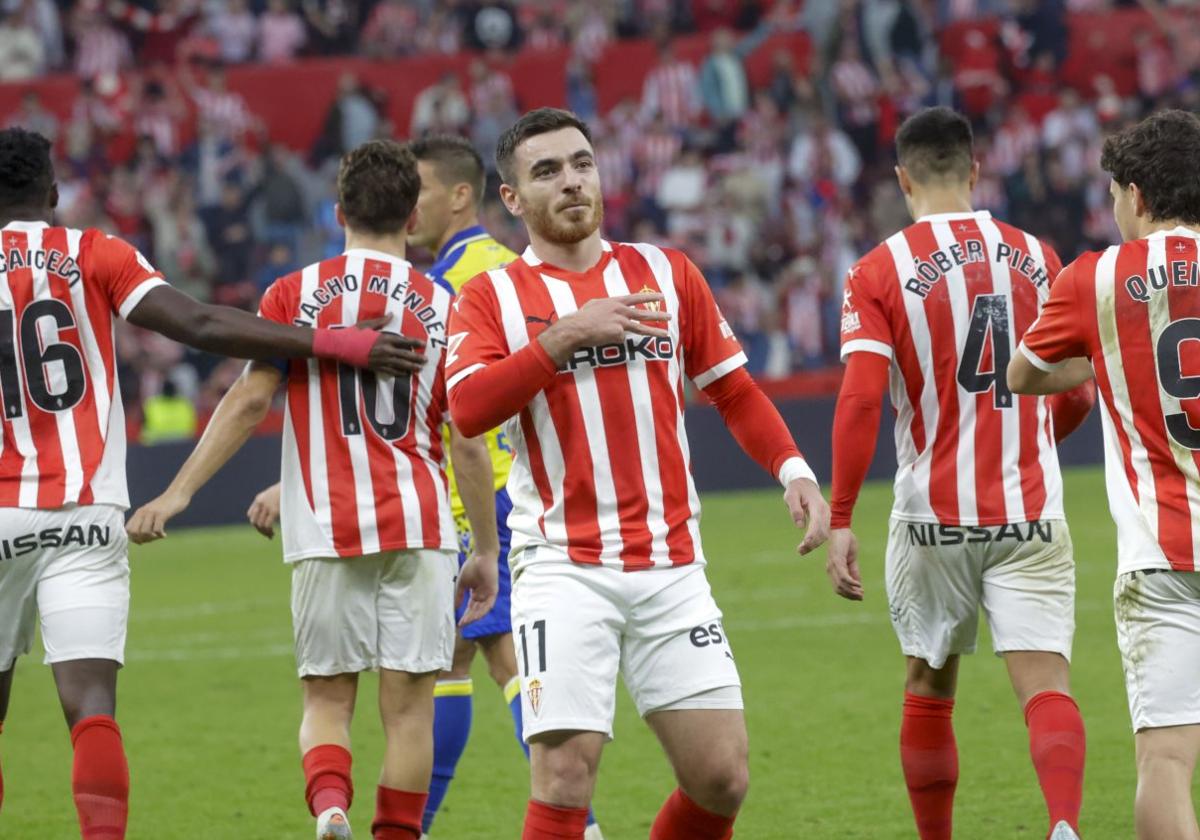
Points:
(774, 190)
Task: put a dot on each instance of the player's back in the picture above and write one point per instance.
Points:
(947, 300)
(64, 425)
(363, 454)
(1143, 343)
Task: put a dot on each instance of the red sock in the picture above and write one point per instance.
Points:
(327, 782)
(1057, 744)
(548, 822)
(682, 819)
(929, 757)
(100, 778)
(398, 814)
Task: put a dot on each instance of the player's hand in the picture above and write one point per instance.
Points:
(808, 507)
(478, 580)
(149, 522)
(391, 353)
(841, 564)
(264, 511)
(605, 321)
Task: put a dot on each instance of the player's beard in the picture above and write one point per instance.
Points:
(557, 228)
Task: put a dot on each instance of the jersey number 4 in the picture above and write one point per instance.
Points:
(36, 358)
(989, 317)
(352, 382)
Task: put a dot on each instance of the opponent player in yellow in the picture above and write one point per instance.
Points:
(452, 188)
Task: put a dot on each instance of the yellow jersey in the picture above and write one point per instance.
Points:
(470, 252)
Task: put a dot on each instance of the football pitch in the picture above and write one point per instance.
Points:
(209, 703)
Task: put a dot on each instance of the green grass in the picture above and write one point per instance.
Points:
(209, 703)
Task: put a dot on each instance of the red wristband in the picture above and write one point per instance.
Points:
(351, 345)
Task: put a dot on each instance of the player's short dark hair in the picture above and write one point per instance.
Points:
(935, 144)
(377, 186)
(454, 158)
(535, 122)
(26, 173)
(1161, 154)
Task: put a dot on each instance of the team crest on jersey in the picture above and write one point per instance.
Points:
(534, 690)
(654, 305)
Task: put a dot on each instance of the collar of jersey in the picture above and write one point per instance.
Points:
(18, 225)
(461, 240)
(1176, 231)
(532, 259)
(372, 254)
(955, 217)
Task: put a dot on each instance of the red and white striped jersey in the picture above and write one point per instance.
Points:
(602, 469)
(1134, 310)
(947, 299)
(64, 426)
(363, 462)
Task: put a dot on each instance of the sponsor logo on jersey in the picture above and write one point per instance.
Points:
(646, 348)
(93, 536)
(534, 691)
(928, 533)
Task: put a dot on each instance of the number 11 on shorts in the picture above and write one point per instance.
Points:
(539, 627)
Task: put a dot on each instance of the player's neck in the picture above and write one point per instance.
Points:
(8, 215)
(577, 256)
(1156, 226)
(393, 244)
(457, 226)
(936, 202)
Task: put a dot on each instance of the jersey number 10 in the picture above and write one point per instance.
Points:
(352, 382)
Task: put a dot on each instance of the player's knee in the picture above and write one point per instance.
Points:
(565, 777)
(721, 788)
(1163, 760)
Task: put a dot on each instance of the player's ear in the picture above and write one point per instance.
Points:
(52, 197)
(464, 197)
(411, 226)
(1139, 200)
(974, 179)
(512, 201)
(902, 177)
(339, 216)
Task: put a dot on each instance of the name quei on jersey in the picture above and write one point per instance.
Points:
(644, 348)
(928, 272)
(380, 284)
(1159, 277)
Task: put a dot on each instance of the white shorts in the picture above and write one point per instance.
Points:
(1022, 575)
(576, 626)
(70, 567)
(393, 610)
(1158, 632)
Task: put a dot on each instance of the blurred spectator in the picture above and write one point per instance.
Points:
(167, 416)
(235, 29)
(441, 107)
(226, 228)
(391, 29)
(42, 16)
(280, 198)
(222, 110)
(724, 91)
(670, 89)
(280, 33)
(332, 25)
(352, 120)
(581, 93)
(489, 25)
(100, 48)
(593, 25)
(543, 24)
(161, 30)
(491, 88)
(22, 53)
(159, 116)
(821, 150)
(33, 116)
(856, 91)
(181, 248)
(281, 261)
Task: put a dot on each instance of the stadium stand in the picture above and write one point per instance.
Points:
(756, 135)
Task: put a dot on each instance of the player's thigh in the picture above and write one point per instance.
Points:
(707, 748)
(1158, 633)
(83, 591)
(676, 653)
(20, 569)
(334, 619)
(933, 582)
(415, 605)
(1029, 588)
(567, 626)
(1177, 747)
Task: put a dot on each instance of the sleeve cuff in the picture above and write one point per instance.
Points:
(135, 297)
(868, 345)
(796, 468)
(1037, 361)
(718, 370)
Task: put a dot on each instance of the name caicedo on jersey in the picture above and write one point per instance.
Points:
(397, 290)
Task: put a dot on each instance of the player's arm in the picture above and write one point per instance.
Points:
(264, 510)
(476, 487)
(494, 386)
(1050, 357)
(761, 432)
(855, 430)
(234, 332)
(1027, 376)
(235, 419)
